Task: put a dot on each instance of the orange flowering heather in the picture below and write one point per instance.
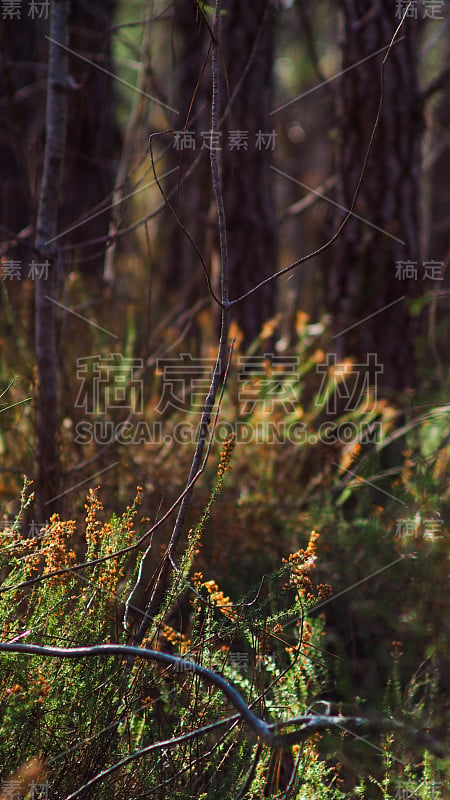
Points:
(93, 525)
(301, 563)
(225, 456)
(57, 553)
(128, 517)
(181, 642)
(218, 598)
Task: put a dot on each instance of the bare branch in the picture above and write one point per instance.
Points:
(265, 732)
(161, 579)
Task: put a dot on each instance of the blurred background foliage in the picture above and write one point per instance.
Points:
(379, 504)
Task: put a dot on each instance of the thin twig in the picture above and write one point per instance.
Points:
(161, 579)
(310, 723)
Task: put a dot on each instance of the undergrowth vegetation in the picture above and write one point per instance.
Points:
(313, 578)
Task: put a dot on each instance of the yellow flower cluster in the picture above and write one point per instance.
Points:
(301, 563)
(93, 525)
(223, 603)
(56, 550)
(181, 642)
(225, 456)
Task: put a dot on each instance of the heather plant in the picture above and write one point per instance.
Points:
(76, 716)
(155, 660)
(84, 717)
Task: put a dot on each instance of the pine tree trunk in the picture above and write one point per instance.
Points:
(365, 283)
(248, 30)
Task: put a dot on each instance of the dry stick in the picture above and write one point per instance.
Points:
(232, 721)
(292, 780)
(305, 22)
(192, 101)
(310, 723)
(135, 593)
(225, 114)
(109, 239)
(168, 743)
(311, 199)
(77, 567)
(95, 561)
(161, 579)
(139, 374)
(107, 203)
(251, 774)
(313, 724)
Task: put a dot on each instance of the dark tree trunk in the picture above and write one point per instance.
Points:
(193, 200)
(48, 467)
(439, 229)
(438, 241)
(364, 280)
(76, 174)
(93, 138)
(247, 44)
(247, 48)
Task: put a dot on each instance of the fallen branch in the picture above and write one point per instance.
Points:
(306, 725)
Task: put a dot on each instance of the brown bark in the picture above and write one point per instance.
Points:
(93, 138)
(248, 194)
(193, 200)
(48, 467)
(362, 277)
